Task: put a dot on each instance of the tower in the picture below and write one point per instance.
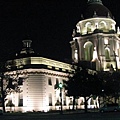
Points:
(96, 42)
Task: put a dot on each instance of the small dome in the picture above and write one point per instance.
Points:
(95, 8)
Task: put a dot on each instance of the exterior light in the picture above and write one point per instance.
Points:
(60, 85)
(102, 90)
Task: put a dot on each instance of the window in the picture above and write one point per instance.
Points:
(57, 81)
(107, 53)
(49, 81)
(88, 51)
(102, 25)
(88, 25)
(20, 103)
(64, 99)
(50, 99)
(20, 82)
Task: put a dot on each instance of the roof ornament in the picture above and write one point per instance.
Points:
(95, 14)
(108, 15)
(118, 30)
(113, 18)
(74, 33)
(82, 17)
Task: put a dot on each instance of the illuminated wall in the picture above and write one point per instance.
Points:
(38, 88)
(39, 93)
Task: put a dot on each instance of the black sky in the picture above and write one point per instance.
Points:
(49, 24)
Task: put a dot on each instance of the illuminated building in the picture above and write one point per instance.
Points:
(39, 75)
(96, 41)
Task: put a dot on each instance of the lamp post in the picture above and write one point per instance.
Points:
(61, 86)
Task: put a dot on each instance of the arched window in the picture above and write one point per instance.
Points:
(102, 25)
(107, 53)
(88, 51)
(88, 26)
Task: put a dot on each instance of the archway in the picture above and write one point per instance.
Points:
(107, 54)
(102, 25)
(88, 51)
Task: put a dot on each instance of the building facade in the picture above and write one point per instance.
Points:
(38, 77)
(96, 41)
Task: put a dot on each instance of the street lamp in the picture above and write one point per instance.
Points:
(60, 85)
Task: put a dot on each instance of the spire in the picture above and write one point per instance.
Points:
(94, 1)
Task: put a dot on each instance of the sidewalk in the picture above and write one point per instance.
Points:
(52, 113)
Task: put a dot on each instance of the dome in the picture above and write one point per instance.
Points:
(95, 8)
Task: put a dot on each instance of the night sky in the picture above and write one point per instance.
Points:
(49, 23)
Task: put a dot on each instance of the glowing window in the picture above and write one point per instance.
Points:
(88, 51)
(107, 53)
(102, 24)
(106, 41)
(88, 26)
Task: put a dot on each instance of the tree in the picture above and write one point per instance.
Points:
(83, 84)
(115, 84)
(9, 85)
(110, 85)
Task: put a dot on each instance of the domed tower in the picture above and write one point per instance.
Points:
(96, 43)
